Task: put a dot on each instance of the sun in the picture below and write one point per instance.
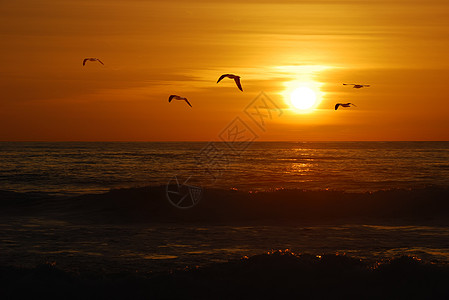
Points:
(303, 98)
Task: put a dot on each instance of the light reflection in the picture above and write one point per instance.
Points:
(299, 168)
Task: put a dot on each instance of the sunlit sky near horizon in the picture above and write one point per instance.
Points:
(152, 49)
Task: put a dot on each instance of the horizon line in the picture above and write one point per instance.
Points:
(213, 141)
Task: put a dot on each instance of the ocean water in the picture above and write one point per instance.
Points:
(92, 167)
(160, 247)
(44, 232)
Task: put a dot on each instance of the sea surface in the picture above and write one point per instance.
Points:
(66, 169)
(28, 242)
(93, 167)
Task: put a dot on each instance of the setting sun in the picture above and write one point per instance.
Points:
(303, 98)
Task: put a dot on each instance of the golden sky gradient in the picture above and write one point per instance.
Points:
(152, 49)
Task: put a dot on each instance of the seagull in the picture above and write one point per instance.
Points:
(232, 76)
(176, 97)
(344, 105)
(357, 86)
(91, 59)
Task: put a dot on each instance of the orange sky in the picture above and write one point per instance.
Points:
(152, 49)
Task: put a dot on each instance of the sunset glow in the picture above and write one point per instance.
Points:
(47, 93)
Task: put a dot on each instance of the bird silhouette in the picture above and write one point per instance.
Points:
(92, 59)
(232, 76)
(357, 86)
(176, 97)
(344, 105)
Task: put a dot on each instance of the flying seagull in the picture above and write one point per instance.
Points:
(344, 105)
(176, 97)
(232, 76)
(91, 59)
(357, 86)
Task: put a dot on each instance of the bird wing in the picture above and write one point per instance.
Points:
(221, 77)
(367, 85)
(353, 104)
(185, 99)
(100, 61)
(84, 61)
(237, 81)
(337, 105)
(171, 98)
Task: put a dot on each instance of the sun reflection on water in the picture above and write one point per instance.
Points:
(299, 168)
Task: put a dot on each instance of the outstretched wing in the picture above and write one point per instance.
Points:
(185, 99)
(337, 105)
(100, 61)
(221, 77)
(237, 81)
(84, 61)
(348, 84)
(171, 98)
(352, 104)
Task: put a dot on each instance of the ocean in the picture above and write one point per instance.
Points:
(102, 207)
(94, 167)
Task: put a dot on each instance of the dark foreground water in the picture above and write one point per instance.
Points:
(138, 229)
(161, 247)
